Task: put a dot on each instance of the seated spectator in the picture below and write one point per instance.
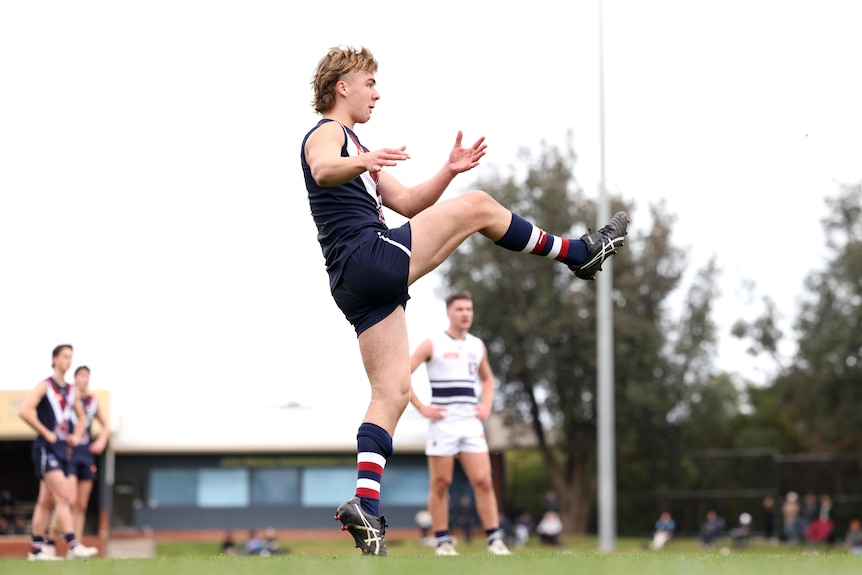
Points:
(270, 544)
(853, 539)
(11, 523)
(742, 532)
(465, 517)
(254, 545)
(822, 529)
(228, 547)
(664, 528)
(711, 529)
(550, 528)
(423, 521)
(523, 528)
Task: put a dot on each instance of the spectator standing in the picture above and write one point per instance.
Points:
(768, 518)
(792, 525)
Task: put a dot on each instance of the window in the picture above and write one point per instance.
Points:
(223, 488)
(173, 486)
(406, 486)
(327, 485)
(274, 486)
(208, 487)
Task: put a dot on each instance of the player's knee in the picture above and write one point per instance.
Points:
(441, 484)
(483, 484)
(478, 200)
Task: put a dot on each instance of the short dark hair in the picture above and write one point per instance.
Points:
(82, 368)
(463, 294)
(59, 349)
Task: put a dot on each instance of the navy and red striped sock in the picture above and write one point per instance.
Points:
(522, 236)
(373, 448)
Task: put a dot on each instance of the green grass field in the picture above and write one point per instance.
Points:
(579, 556)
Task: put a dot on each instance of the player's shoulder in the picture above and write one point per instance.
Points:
(474, 338)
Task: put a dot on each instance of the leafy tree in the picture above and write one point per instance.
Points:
(539, 324)
(821, 394)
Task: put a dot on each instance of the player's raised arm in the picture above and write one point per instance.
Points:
(409, 201)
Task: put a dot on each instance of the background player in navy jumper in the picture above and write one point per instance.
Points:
(84, 454)
(371, 266)
(48, 410)
(454, 360)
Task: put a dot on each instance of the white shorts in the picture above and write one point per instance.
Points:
(453, 435)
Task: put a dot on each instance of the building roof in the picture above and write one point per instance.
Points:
(146, 424)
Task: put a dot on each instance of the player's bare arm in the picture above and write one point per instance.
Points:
(329, 168)
(486, 376)
(75, 438)
(420, 356)
(28, 411)
(409, 201)
(98, 446)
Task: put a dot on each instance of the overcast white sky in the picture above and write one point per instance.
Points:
(153, 211)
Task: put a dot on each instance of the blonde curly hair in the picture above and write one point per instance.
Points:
(338, 61)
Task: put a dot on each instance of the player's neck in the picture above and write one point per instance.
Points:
(456, 333)
(59, 377)
(343, 119)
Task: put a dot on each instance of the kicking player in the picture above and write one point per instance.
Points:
(371, 266)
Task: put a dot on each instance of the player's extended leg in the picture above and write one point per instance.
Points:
(440, 470)
(477, 468)
(441, 228)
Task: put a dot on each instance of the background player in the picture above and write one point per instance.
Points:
(453, 359)
(48, 410)
(84, 454)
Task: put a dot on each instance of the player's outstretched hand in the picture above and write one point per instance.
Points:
(384, 157)
(462, 159)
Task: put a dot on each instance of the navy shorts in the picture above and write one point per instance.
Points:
(83, 464)
(374, 280)
(48, 457)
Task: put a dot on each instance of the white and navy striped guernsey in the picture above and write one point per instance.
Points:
(453, 371)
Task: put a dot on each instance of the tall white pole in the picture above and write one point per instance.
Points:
(605, 358)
